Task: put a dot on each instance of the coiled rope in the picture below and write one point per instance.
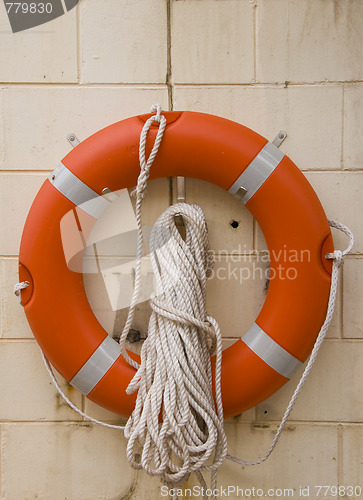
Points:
(175, 420)
(175, 376)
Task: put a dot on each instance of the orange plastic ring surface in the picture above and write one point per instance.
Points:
(215, 150)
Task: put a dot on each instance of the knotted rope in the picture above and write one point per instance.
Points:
(18, 287)
(175, 420)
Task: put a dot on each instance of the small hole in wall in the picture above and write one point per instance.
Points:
(265, 412)
(234, 224)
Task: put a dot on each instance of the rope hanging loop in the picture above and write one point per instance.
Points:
(175, 420)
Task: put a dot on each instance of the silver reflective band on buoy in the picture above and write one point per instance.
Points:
(96, 366)
(260, 168)
(270, 351)
(77, 191)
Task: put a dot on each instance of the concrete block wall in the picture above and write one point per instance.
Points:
(269, 64)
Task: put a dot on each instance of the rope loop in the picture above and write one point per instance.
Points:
(338, 255)
(139, 192)
(146, 164)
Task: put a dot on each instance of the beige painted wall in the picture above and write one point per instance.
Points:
(269, 64)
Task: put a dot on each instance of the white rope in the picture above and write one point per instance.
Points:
(20, 286)
(69, 402)
(175, 419)
(337, 257)
(140, 193)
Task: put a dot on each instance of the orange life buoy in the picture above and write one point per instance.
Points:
(194, 145)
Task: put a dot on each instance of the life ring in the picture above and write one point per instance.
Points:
(215, 150)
